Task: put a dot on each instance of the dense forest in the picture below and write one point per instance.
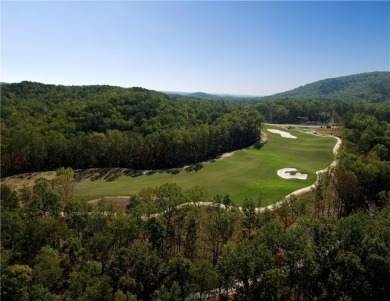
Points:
(331, 244)
(45, 127)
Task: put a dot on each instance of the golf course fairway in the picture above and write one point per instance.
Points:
(246, 173)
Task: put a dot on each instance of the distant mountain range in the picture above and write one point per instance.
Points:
(203, 95)
(370, 86)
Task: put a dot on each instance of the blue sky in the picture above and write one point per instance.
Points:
(251, 48)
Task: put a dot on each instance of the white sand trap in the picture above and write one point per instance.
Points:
(282, 133)
(285, 174)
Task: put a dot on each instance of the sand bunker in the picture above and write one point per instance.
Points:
(285, 174)
(282, 133)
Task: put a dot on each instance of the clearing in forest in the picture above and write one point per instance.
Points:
(243, 174)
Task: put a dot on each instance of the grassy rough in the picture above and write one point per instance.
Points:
(244, 174)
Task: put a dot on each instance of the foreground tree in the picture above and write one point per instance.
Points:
(47, 270)
(9, 198)
(16, 282)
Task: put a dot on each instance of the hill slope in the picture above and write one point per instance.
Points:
(44, 127)
(372, 86)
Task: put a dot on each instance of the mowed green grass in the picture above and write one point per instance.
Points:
(244, 174)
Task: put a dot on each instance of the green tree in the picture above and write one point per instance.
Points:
(73, 248)
(146, 268)
(191, 236)
(121, 296)
(204, 277)
(375, 258)
(38, 232)
(9, 199)
(44, 199)
(179, 271)
(299, 262)
(348, 190)
(349, 276)
(119, 266)
(12, 226)
(64, 183)
(165, 294)
(80, 280)
(250, 217)
(40, 293)
(274, 285)
(156, 230)
(47, 270)
(289, 210)
(381, 151)
(220, 226)
(124, 230)
(226, 267)
(101, 246)
(98, 290)
(16, 282)
(168, 197)
(325, 248)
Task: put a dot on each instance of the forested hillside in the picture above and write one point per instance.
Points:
(372, 86)
(45, 127)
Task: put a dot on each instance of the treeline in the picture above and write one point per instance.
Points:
(294, 110)
(365, 163)
(45, 127)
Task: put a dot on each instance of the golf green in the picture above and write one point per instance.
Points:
(246, 173)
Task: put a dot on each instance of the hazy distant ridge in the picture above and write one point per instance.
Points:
(203, 95)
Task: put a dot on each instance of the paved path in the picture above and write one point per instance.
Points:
(311, 187)
(277, 204)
